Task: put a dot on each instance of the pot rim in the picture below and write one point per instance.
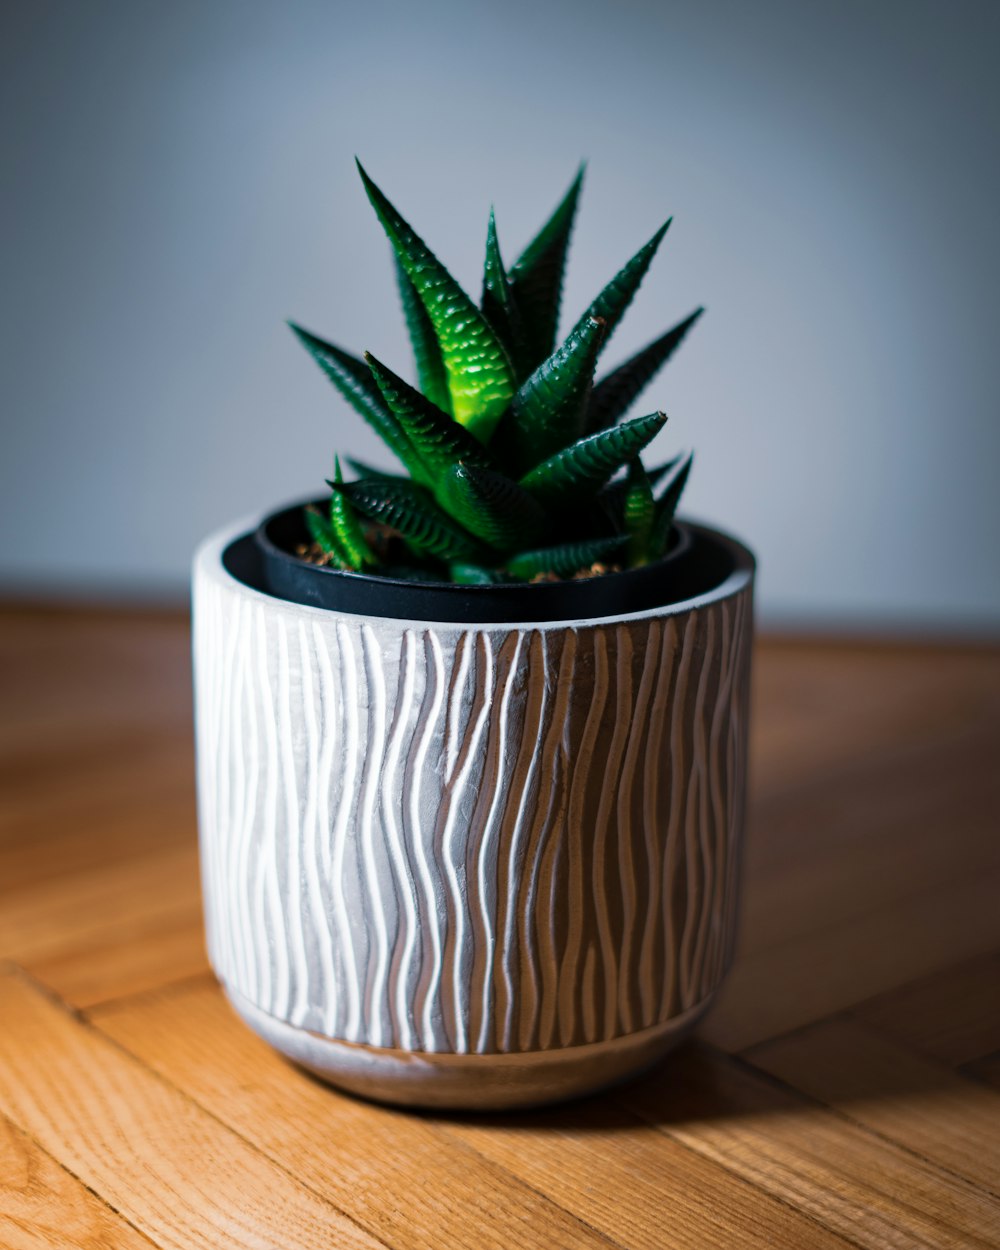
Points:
(209, 560)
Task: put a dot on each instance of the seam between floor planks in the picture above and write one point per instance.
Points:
(81, 1020)
(743, 1058)
(512, 1180)
(78, 1180)
(737, 1061)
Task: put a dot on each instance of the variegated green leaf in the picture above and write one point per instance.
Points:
(492, 507)
(437, 440)
(638, 513)
(499, 306)
(587, 464)
(426, 349)
(610, 305)
(547, 411)
(563, 560)
(537, 278)
(480, 377)
(345, 524)
(665, 507)
(353, 379)
(410, 510)
(615, 393)
(322, 534)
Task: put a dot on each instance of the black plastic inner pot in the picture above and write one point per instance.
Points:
(699, 560)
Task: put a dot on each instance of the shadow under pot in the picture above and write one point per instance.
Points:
(462, 847)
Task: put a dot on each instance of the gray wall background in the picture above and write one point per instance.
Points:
(179, 179)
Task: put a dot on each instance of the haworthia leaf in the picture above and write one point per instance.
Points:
(638, 513)
(586, 465)
(499, 305)
(548, 409)
(473, 575)
(437, 440)
(617, 295)
(411, 511)
(321, 532)
(666, 506)
(537, 278)
(480, 377)
(615, 393)
(564, 560)
(353, 379)
(426, 349)
(492, 507)
(345, 524)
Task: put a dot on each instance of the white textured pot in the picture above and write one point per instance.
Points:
(470, 866)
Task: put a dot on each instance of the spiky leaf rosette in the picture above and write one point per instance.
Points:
(480, 377)
(510, 448)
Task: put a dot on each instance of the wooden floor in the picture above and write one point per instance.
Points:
(845, 1092)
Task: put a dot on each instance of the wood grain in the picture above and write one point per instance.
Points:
(849, 1180)
(173, 1171)
(903, 1097)
(43, 1207)
(442, 1193)
(136, 1110)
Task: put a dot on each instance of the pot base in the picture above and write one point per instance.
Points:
(469, 1082)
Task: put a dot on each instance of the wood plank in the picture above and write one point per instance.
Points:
(43, 1207)
(917, 1103)
(818, 974)
(625, 1177)
(952, 1015)
(173, 1171)
(396, 1174)
(868, 1190)
(123, 963)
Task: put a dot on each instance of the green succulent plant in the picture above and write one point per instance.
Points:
(518, 465)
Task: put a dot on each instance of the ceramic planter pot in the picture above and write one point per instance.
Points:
(471, 865)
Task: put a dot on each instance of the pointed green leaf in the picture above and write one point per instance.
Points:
(666, 507)
(408, 508)
(537, 278)
(586, 465)
(564, 560)
(353, 379)
(321, 532)
(638, 513)
(426, 349)
(499, 305)
(547, 411)
(473, 575)
(438, 441)
(480, 378)
(492, 507)
(615, 393)
(346, 525)
(617, 295)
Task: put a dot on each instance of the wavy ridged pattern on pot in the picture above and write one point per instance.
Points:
(442, 863)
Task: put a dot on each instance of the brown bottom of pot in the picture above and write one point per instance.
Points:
(469, 1082)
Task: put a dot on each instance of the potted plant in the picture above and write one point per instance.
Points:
(472, 734)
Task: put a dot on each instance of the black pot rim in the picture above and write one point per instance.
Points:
(701, 563)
